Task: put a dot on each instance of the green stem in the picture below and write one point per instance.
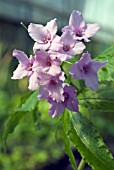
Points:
(81, 165)
(23, 25)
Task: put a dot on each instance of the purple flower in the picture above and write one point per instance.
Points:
(66, 46)
(81, 30)
(43, 35)
(51, 86)
(49, 64)
(87, 69)
(70, 102)
(27, 67)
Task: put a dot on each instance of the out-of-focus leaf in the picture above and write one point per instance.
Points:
(11, 123)
(99, 100)
(107, 72)
(28, 101)
(89, 143)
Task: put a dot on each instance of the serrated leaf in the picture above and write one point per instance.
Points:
(29, 101)
(99, 100)
(107, 72)
(65, 119)
(89, 143)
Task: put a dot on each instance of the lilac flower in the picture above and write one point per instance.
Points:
(43, 35)
(81, 30)
(66, 46)
(27, 67)
(51, 86)
(87, 69)
(70, 102)
(49, 64)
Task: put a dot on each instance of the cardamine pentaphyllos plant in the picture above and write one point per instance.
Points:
(55, 73)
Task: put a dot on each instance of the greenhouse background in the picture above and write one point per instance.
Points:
(34, 145)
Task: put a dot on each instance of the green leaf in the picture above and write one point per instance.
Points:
(89, 143)
(99, 100)
(65, 119)
(11, 123)
(29, 101)
(107, 72)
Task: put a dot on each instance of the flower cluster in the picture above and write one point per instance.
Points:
(43, 69)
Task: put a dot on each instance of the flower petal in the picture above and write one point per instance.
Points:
(76, 19)
(52, 27)
(37, 32)
(42, 93)
(96, 65)
(20, 72)
(91, 30)
(21, 56)
(68, 38)
(91, 80)
(56, 109)
(78, 48)
(33, 81)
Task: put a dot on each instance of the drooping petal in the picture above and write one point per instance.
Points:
(33, 81)
(37, 32)
(91, 29)
(76, 19)
(91, 80)
(21, 56)
(56, 109)
(20, 72)
(52, 27)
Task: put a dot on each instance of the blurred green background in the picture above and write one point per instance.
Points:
(35, 145)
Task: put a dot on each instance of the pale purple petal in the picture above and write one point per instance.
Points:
(64, 56)
(37, 32)
(56, 44)
(67, 38)
(54, 70)
(52, 27)
(76, 19)
(21, 56)
(77, 49)
(33, 81)
(42, 46)
(42, 57)
(66, 28)
(20, 72)
(91, 29)
(91, 80)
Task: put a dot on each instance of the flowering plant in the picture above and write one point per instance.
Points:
(58, 74)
